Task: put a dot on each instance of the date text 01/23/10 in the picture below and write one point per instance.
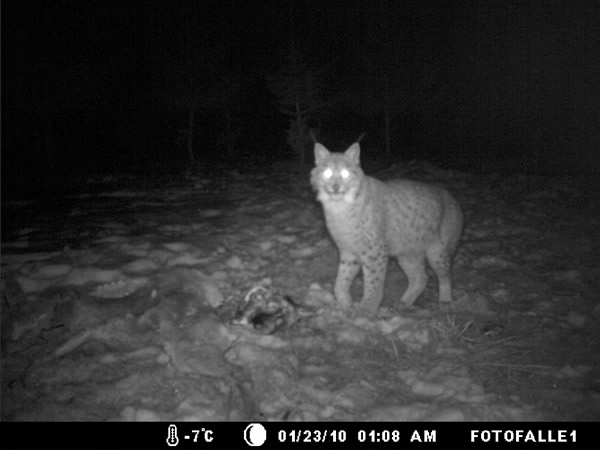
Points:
(370, 436)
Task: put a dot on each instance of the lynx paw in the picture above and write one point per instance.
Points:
(344, 301)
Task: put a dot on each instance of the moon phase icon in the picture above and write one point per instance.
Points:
(255, 435)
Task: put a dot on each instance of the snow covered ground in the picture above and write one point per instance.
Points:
(191, 300)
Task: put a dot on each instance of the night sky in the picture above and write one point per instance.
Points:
(96, 86)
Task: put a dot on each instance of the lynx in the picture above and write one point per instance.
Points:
(370, 220)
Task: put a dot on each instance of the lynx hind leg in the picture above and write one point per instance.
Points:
(414, 268)
(439, 259)
(347, 270)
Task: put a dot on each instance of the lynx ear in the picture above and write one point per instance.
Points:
(321, 153)
(353, 153)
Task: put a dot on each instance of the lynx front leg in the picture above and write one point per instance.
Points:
(374, 280)
(347, 271)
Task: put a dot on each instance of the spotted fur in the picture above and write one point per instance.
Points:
(370, 220)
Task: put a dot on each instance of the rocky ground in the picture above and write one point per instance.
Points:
(210, 299)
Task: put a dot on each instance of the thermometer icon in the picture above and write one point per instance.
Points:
(172, 439)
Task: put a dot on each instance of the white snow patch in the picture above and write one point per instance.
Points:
(119, 289)
(187, 259)
(19, 259)
(219, 275)
(500, 295)
(490, 261)
(285, 238)
(444, 381)
(29, 285)
(208, 213)
(176, 229)
(234, 262)
(415, 336)
(80, 276)
(303, 252)
(131, 414)
(178, 247)
(47, 271)
(318, 296)
(415, 412)
(142, 265)
(37, 277)
(265, 246)
(568, 371)
(162, 256)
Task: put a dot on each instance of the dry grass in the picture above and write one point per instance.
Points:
(447, 329)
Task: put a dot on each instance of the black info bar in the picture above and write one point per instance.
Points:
(300, 435)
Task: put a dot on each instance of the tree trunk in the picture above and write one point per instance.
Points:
(300, 140)
(387, 107)
(190, 138)
(387, 117)
(48, 141)
(229, 138)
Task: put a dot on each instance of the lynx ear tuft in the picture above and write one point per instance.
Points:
(321, 153)
(353, 153)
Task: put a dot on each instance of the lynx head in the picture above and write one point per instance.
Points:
(337, 176)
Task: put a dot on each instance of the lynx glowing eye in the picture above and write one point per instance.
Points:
(328, 173)
(345, 173)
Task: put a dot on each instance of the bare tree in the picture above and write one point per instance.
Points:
(299, 89)
(202, 85)
(198, 82)
(385, 84)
